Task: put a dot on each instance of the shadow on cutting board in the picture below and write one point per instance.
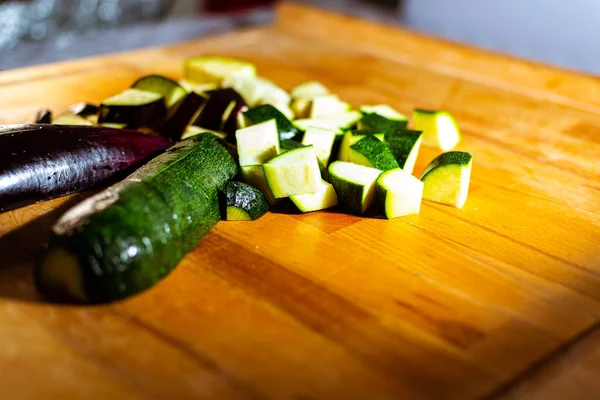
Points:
(19, 249)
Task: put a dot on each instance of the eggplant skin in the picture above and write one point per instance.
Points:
(182, 115)
(39, 162)
(211, 116)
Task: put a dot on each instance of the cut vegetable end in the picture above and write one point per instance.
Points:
(132, 97)
(411, 161)
(293, 172)
(245, 197)
(133, 107)
(399, 193)
(171, 90)
(330, 104)
(237, 214)
(324, 198)
(440, 129)
(322, 140)
(336, 122)
(354, 185)
(448, 184)
(258, 144)
(198, 87)
(448, 133)
(60, 274)
(215, 69)
(356, 173)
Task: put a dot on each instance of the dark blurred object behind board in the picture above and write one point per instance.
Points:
(235, 5)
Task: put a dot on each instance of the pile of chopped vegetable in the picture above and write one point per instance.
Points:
(307, 145)
(243, 145)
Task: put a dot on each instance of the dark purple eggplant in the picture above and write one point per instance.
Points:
(231, 123)
(227, 93)
(219, 102)
(43, 117)
(39, 162)
(133, 107)
(181, 115)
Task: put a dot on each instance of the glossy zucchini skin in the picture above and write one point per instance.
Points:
(41, 162)
(128, 237)
(266, 112)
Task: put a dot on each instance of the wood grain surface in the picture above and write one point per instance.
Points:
(449, 304)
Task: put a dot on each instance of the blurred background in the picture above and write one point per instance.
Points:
(563, 33)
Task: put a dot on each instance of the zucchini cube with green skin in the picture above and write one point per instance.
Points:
(290, 144)
(335, 122)
(293, 172)
(214, 69)
(352, 137)
(405, 146)
(268, 112)
(384, 111)
(354, 184)
(377, 123)
(399, 193)
(286, 110)
(244, 202)
(322, 199)
(447, 178)
(328, 104)
(254, 175)
(257, 143)
(440, 129)
(322, 140)
(171, 90)
(372, 152)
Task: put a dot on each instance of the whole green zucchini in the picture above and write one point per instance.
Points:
(126, 238)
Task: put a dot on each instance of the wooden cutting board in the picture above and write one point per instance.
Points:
(447, 304)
